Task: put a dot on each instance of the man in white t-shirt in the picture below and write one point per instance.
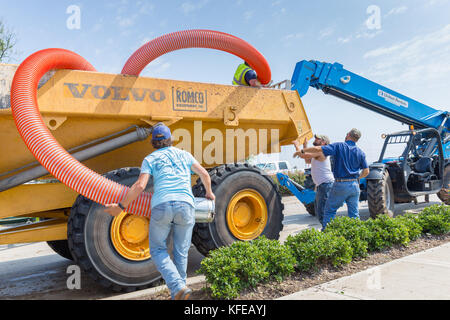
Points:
(321, 172)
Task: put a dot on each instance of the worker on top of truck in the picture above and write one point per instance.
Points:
(321, 172)
(350, 165)
(246, 76)
(172, 206)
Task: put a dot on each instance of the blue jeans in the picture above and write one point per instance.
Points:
(322, 192)
(179, 216)
(341, 192)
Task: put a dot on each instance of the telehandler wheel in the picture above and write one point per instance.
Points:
(444, 194)
(380, 196)
(113, 251)
(309, 184)
(61, 247)
(247, 205)
(310, 207)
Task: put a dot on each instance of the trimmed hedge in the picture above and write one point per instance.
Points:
(312, 248)
(281, 260)
(386, 232)
(412, 223)
(355, 231)
(229, 270)
(241, 265)
(435, 220)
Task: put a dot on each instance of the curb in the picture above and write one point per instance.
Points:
(151, 291)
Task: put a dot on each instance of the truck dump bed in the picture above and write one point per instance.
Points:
(217, 123)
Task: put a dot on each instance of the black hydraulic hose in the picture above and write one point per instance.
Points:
(138, 134)
(71, 151)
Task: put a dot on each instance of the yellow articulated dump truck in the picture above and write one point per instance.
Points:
(103, 120)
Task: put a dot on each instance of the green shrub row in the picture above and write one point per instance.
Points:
(229, 270)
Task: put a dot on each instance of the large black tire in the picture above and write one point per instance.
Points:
(309, 184)
(310, 207)
(61, 247)
(227, 180)
(380, 196)
(444, 194)
(89, 239)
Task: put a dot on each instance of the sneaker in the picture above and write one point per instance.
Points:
(183, 294)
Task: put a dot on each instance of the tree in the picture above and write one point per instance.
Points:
(7, 43)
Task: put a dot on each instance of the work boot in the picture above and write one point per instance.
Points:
(183, 294)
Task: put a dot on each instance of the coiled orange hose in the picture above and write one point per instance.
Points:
(52, 155)
(43, 145)
(198, 39)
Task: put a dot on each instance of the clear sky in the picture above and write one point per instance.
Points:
(407, 49)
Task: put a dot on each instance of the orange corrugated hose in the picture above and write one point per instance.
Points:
(52, 155)
(198, 39)
(43, 145)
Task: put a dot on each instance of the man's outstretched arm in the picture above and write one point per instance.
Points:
(206, 179)
(298, 153)
(136, 189)
(364, 173)
(314, 151)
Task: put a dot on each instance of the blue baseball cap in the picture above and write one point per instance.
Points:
(161, 132)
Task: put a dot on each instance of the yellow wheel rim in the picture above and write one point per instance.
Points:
(247, 214)
(129, 236)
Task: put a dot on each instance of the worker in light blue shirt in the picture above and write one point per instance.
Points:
(172, 206)
(350, 165)
(171, 171)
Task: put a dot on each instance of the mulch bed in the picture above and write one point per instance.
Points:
(300, 281)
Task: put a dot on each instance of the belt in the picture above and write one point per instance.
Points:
(345, 180)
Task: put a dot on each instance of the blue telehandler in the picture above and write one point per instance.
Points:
(422, 165)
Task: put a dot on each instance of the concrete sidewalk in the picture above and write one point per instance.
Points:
(420, 276)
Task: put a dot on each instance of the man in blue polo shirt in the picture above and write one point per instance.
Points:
(350, 165)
